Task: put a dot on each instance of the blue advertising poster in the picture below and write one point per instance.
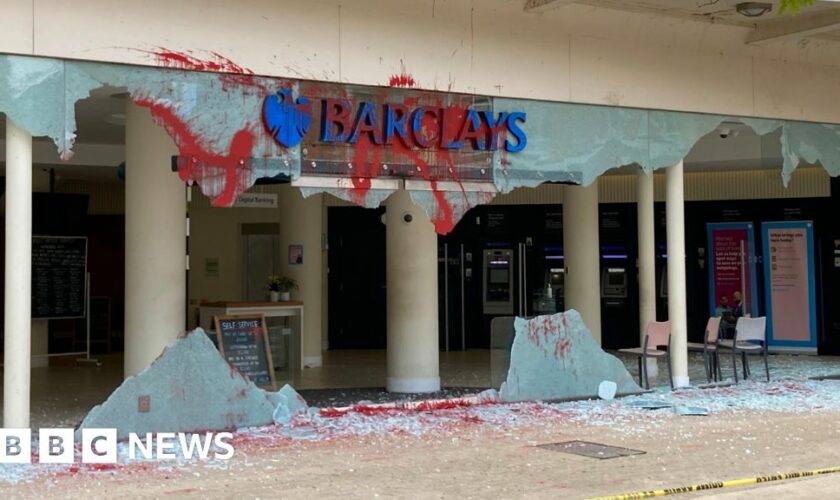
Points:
(789, 285)
(732, 269)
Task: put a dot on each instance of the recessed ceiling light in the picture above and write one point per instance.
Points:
(753, 9)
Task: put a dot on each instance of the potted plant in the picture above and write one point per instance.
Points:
(279, 287)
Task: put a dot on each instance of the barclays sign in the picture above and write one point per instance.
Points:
(421, 127)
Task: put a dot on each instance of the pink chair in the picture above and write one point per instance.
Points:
(711, 359)
(657, 334)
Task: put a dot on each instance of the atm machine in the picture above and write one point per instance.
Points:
(521, 279)
(614, 284)
(497, 289)
(618, 312)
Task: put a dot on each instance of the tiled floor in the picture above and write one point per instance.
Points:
(351, 368)
(61, 395)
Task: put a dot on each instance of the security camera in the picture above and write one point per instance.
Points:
(724, 132)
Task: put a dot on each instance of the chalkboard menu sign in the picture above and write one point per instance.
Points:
(243, 342)
(59, 268)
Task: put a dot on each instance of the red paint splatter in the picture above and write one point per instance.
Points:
(562, 348)
(453, 116)
(232, 76)
(234, 166)
(364, 168)
(419, 406)
(402, 80)
(217, 63)
(473, 419)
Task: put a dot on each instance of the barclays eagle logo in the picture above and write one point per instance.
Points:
(287, 121)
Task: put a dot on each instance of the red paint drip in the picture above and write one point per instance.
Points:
(234, 166)
(562, 348)
(365, 169)
(443, 219)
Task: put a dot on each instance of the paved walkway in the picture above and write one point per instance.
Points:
(491, 451)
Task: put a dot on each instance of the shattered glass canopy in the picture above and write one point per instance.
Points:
(228, 137)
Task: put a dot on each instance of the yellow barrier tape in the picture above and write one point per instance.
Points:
(720, 484)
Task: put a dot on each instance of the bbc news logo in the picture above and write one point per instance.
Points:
(99, 446)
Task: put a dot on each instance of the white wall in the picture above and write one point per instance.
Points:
(216, 233)
(576, 53)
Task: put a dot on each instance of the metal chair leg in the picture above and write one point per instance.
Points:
(766, 366)
(641, 373)
(707, 366)
(670, 376)
(644, 370)
(735, 365)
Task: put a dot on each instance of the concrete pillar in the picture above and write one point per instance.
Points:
(18, 305)
(155, 246)
(300, 224)
(647, 252)
(412, 306)
(675, 227)
(582, 254)
(647, 259)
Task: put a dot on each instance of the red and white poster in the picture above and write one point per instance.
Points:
(730, 270)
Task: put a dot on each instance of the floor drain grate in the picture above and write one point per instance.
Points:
(592, 450)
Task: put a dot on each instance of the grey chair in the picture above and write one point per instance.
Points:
(750, 338)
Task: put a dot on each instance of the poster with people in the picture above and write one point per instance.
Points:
(732, 262)
(789, 285)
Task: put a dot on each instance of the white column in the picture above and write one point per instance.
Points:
(18, 306)
(412, 306)
(155, 246)
(647, 259)
(300, 224)
(675, 227)
(582, 254)
(647, 252)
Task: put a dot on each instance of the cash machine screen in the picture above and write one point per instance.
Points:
(614, 283)
(499, 276)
